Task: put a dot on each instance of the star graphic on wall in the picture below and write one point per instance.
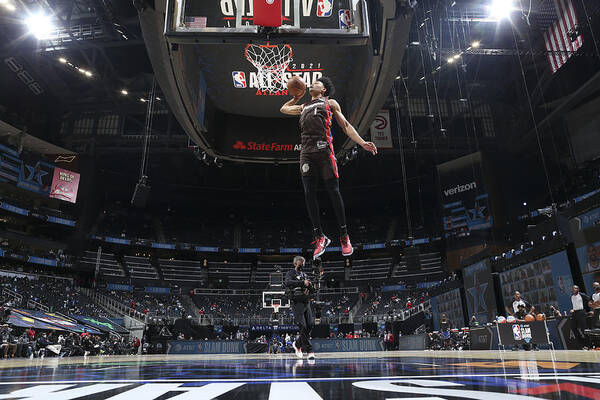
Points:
(477, 292)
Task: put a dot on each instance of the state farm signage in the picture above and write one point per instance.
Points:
(264, 146)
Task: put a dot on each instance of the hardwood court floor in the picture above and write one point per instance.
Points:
(374, 375)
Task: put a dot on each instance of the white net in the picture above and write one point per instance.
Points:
(270, 61)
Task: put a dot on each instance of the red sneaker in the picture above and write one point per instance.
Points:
(320, 246)
(347, 248)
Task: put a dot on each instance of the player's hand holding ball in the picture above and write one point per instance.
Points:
(296, 87)
(370, 147)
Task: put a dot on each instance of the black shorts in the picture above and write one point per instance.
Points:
(320, 163)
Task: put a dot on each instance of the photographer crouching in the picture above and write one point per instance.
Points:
(299, 288)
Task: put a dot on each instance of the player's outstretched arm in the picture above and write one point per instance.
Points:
(349, 129)
(291, 108)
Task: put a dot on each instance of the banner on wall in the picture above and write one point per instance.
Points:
(479, 290)
(542, 283)
(345, 345)
(28, 172)
(465, 202)
(65, 185)
(450, 304)
(206, 347)
(381, 130)
(589, 263)
(523, 333)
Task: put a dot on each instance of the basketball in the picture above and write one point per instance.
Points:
(541, 317)
(296, 86)
(529, 318)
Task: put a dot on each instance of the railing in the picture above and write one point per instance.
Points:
(401, 315)
(12, 294)
(34, 305)
(113, 305)
(282, 319)
(203, 291)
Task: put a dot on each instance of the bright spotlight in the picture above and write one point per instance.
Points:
(124, 92)
(88, 74)
(457, 56)
(62, 60)
(500, 9)
(476, 44)
(450, 60)
(8, 5)
(143, 100)
(40, 26)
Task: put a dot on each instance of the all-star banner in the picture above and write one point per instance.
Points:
(65, 185)
(54, 320)
(479, 288)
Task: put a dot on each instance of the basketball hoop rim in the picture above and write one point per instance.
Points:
(267, 45)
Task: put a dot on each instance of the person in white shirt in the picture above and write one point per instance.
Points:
(580, 303)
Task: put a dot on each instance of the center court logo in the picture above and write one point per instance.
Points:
(273, 146)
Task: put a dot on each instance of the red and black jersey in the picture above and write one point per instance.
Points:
(315, 126)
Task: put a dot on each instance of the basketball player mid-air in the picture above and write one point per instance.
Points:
(317, 157)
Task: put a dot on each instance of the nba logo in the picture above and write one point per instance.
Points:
(345, 19)
(324, 8)
(517, 332)
(239, 79)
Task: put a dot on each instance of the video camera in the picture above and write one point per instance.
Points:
(308, 292)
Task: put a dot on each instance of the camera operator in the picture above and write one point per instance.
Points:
(298, 287)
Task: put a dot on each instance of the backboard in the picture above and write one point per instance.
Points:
(226, 78)
(275, 297)
(327, 18)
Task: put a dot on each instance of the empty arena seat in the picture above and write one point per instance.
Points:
(109, 266)
(140, 267)
(235, 273)
(431, 266)
(376, 268)
(181, 270)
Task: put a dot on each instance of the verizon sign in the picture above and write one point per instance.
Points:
(460, 188)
